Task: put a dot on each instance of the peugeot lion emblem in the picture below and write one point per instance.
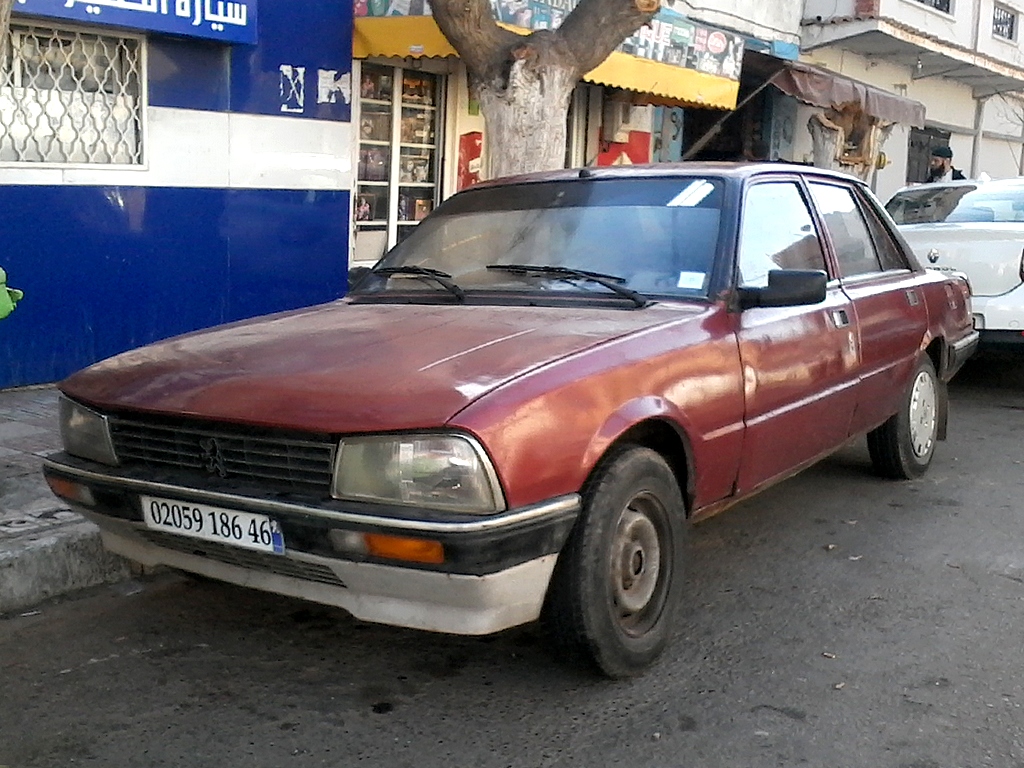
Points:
(212, 457)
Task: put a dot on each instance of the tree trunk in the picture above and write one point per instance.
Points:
(526, 119)
(826, 139)
(5, 20)
(523, 83)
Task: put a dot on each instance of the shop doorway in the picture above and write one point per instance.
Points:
(922, 141)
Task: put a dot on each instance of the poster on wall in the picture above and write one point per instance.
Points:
(392, 8)
(229, 21)
(670, 38)
(674, 39)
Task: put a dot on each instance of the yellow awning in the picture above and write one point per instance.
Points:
(403, 36)
(398, 36)
(688, 86)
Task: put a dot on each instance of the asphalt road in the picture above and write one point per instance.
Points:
(836, 620)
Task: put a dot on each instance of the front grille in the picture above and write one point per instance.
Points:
(293, 463)
(245, 558)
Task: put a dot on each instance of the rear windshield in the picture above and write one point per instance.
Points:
(961, 203)
(656, 236)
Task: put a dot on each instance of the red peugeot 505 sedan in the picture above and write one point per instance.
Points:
(516, 413)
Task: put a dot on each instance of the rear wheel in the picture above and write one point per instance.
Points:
(902, 448)
(617, 582)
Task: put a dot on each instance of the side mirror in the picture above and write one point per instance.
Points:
(787, 288)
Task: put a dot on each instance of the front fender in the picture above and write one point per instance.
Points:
(643, 416)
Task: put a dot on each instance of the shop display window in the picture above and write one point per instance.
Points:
(399, 141)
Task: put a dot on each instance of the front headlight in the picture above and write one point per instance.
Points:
(436, 471)
(85, 433)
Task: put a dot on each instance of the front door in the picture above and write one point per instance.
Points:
(799, 363)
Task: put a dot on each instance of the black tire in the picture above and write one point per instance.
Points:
(617, 583)
(903, 447)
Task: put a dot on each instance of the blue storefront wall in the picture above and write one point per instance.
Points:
(107, 267)
(110, 269)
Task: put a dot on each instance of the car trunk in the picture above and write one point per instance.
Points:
(988, 253)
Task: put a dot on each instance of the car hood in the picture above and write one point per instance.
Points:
(988, 253)
(346, 367)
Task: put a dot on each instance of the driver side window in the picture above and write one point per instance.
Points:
(777, 232)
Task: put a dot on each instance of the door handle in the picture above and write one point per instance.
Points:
(912, 298)
(840, 318)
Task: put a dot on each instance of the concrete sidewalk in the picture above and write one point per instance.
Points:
(45, 549)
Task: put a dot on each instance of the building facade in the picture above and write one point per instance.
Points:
(962, 59)
(422, 137)
(717, 82)
(167, 165)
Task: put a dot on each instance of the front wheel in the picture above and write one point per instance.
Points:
(902, 448)
(617, 582)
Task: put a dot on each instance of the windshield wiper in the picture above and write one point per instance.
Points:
(439, 277)
(611, 282)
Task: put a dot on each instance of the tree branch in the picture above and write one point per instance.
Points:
(472, 30)
(595, 28)
(5, 7)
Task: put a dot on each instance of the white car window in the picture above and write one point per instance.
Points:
(963, 203)
(777, 233)
(851, 239)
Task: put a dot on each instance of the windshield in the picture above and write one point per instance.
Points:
(961, 203)
(651, 236)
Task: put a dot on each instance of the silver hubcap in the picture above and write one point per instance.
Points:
(923, 414)
(636, 560)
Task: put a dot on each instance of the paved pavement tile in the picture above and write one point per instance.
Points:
(45, 549)
(27, 432)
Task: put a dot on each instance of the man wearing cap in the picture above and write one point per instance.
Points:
(941, 168)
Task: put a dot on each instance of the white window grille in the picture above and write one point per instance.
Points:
(946, 6)
(1004, 23)
(70, 97)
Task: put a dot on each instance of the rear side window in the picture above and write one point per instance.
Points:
(889, 253)
(847, 229)
(777, 232)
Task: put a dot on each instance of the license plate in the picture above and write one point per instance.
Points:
(202, 521)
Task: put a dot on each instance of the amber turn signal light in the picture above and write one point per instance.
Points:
(399, 548)
(70, 490)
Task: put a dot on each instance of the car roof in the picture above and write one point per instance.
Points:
(737, 170)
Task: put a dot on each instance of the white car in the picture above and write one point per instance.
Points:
(976, 228)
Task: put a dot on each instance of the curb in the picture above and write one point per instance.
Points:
(40, 567)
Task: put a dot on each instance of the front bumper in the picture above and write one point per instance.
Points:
(494, 576)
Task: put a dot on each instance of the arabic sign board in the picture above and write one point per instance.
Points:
(670, 37)
(229, 21)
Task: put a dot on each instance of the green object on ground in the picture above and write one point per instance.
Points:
(9, 297)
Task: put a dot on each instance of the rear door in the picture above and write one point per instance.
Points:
(889, 306)
(799, 363)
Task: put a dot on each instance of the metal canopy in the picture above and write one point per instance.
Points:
(825, 88)
(925, 56)
(822, 88)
